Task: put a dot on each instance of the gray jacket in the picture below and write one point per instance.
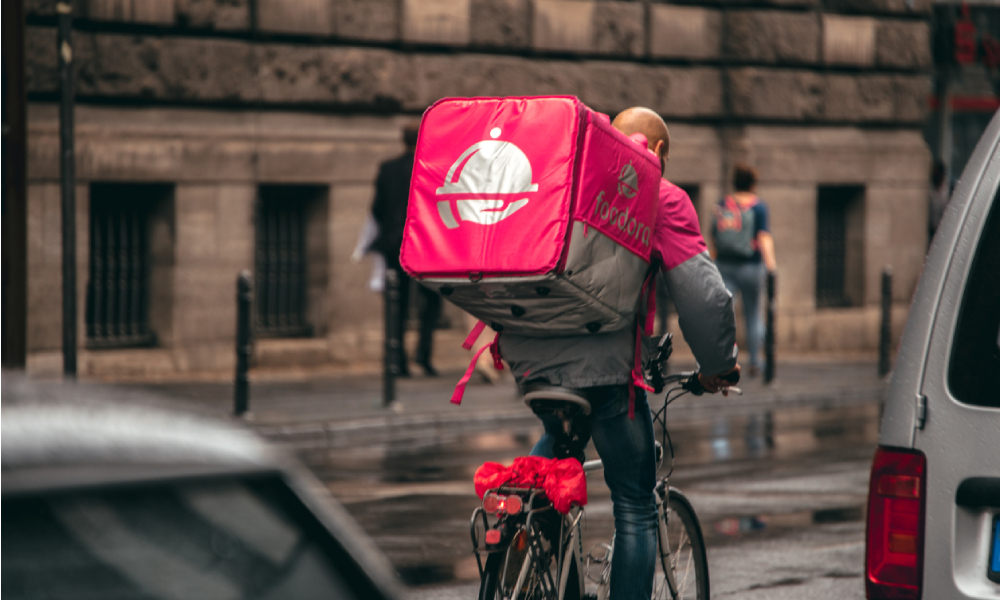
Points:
(705, 313)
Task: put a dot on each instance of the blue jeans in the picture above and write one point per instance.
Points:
(627, 448)
(747, 278)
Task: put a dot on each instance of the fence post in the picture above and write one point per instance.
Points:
(885, 335)
(68, 185)
(392, 336)
(244, 343)
(769, 366)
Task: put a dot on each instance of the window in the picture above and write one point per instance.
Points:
(975, 356)
(290, 270)
(118, 289)
(219, 537)
(840, 246)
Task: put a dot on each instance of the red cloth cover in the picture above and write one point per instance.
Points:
(562, 479)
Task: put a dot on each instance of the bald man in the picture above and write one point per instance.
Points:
(599, 367)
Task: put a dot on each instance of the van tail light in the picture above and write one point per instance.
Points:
(894, 552)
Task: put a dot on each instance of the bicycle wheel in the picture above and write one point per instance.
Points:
(529, 560)
(687, 557)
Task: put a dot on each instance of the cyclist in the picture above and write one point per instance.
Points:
(600, 366)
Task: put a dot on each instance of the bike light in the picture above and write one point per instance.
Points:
(491, 503)
(895, 536)
(513, 505)
(493, 536)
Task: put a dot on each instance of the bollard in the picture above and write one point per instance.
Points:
(67, 185)
(244, 343)
(769, 366)
(885, 335)
(392, 336)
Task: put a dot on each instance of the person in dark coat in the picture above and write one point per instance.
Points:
(392, 190)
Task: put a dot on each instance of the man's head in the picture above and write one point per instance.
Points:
(410, 131)
(643, 120)
(744, 178)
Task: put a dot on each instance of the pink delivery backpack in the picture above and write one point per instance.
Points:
(532, 214)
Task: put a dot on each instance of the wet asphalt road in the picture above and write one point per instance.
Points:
(780, 496)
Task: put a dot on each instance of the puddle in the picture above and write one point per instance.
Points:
(737, 527)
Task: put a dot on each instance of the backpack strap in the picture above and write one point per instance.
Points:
(637, 378)
(493, 347)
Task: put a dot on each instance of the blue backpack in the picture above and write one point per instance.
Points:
(734, 229)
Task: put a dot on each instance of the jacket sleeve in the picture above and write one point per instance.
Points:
(705, 312)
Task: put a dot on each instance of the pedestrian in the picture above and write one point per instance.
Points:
(744, 247)
(392, 191)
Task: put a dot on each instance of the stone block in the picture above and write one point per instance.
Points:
(772, 37)
(564, 26)
(862, 98)
(464, 75)
(848, 41)
(220, 15)
(500, 23)
(41, 64)
(164, 68)
(151, 12)
(376, 20)
(911, 94)
(443, 22)
(620, 28)
(903, 44)
(684, 32)
(40, 8)
(304, 17)
(771, 94)
(906, 7)
(337, 75)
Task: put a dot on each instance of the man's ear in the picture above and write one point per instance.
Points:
(660, 150)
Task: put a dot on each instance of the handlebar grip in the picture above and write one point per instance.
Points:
(733, 377)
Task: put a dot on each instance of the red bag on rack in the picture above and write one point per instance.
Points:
(562, 480)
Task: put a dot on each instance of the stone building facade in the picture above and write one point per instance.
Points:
(214, 136)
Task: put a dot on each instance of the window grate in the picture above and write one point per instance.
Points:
(281, 277)
(840, 246)
(118, 288)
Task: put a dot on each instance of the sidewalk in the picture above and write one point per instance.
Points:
(346, 411)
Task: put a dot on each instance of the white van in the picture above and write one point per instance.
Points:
(934, 496)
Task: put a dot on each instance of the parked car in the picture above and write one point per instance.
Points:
(122, 500)
(934, 496)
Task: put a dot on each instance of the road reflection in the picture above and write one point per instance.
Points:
(416, 502)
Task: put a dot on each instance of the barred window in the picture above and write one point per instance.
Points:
(283, 267)
(117, 309)
(840, 246)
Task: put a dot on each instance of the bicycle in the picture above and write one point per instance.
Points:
(533, 553)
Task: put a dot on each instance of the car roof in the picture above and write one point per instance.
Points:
(55, 434)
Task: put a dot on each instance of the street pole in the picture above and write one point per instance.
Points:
(769, 366)
(392, 337)
(68, 184)
(885, 335)
(244, 344)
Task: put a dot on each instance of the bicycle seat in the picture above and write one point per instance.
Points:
(547, 399)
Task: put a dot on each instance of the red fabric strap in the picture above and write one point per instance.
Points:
(473, 335)
(456, 396)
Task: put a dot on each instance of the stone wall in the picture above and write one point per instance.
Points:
(791, 63)
(219, 96)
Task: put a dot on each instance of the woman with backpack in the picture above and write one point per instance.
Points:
(743, 249)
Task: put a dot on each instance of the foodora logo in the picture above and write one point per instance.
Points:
(613, 216)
